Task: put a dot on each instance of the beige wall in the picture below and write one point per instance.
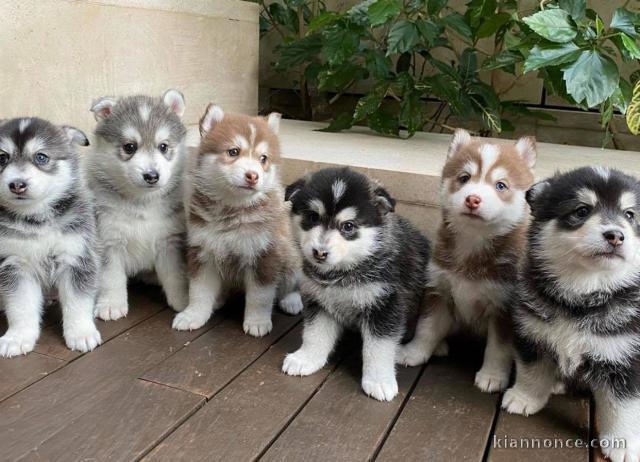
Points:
(56, 56)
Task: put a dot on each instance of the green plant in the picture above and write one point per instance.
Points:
(402, 53)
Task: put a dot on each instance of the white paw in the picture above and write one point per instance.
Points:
(83, 337)
(411, 354)
(111, 308)
(491, 381)
(629, 453)
(441, 350)
(382, 390)
(190, 319)
(257, 327)
(559, 388)
(12, 344)
(516, 402)
(301, 364)
(292, 303)
(178, 301)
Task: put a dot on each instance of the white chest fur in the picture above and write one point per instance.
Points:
(243, 243)
(354, 297)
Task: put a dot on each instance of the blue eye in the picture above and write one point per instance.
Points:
(501, 186)
(41, 159)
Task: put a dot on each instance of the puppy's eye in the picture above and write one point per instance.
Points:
(263, 159)
(630, 214)
(130, 148)
(4, 159)
(163, 148)
(501, 186)
(347, 227)
(582, 212)
(233, 152)
(313, 218)
(41, 158)
(465, 177)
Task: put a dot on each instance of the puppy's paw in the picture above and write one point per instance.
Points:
(517, 402)
(629, 453)
(82, 337)
(190, 320)
(15, 344)
(292, 303)
(178, 301)
(257, 327)
(111, 308)
(441, 350)
(301, 364)
(411, 355)
(491, 381)
(381, 389)
(559, 388)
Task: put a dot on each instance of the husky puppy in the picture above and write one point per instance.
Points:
(47, 234)
(480, 244)
(577, 313)
(239, 234)
(364, 268)
(136, 174)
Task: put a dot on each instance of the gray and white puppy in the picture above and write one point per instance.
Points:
(47, 234)
(577, 315)
(135, 172)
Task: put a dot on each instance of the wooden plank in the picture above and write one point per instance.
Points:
(446, 417)
(123, 428)
(20, 372)
(341, 422)
(565, 418)
(242, 420)
(211, 361)
(46, 407)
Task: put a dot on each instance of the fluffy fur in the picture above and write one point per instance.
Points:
(238, 229)
(480, 244)
(577, 313)
(364, 268)
(136, 173)
(47, 234)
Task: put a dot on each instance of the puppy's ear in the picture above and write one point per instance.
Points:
(273, 120)
(103, 107)
(526, 147)
(383, 200)
(460, 138)
(536, 192)
(212, 116)
(75, 136)
(294, 188)
(175, 100)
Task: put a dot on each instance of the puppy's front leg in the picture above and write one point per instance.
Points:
(77, 292)
(319, 337)
(619, 426)
(535, 380)
(205, 290)
(112, 301)
(378, 365)
(496, 368)
(171, 271)
(22, 297)
(258, 306)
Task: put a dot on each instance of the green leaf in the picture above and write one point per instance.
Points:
(488, 104)
(576, 8)
(428, 29)
(551, 55)
(633, 112)
(621, 98)
(402, 37)
(298, 52)
(383, 10)
(322, 20)
(340, 43)
(554, 25)
(491, 25)
(378, 65)
(359, 13)
(592, 78)
(624, 21)
(634, 77)
(522, 110)
(478, 10)
(336, 78)
(371, 101)
(468, 64)
(599, 26)
(411, 113)
(457, 22)
(384, 123)
(435, 6)
(507, 126)
(631, 46)
(504, 59)
(343, 121)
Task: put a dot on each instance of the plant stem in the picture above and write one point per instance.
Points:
(272, 21)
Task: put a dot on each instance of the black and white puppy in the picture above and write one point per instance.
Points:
(364, 268)
(47, 234)
(578, 313)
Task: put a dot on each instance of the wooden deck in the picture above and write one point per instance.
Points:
(151, 393)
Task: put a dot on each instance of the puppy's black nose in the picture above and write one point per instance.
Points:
(18, 187)
(320, 255)
(151, 176)
(614, 237)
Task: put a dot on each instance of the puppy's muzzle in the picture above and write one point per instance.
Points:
(320, 255)
(151, 176)
(614, 237)
(18, 187)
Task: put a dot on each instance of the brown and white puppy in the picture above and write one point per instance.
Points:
(239, 232)
(479, 247)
